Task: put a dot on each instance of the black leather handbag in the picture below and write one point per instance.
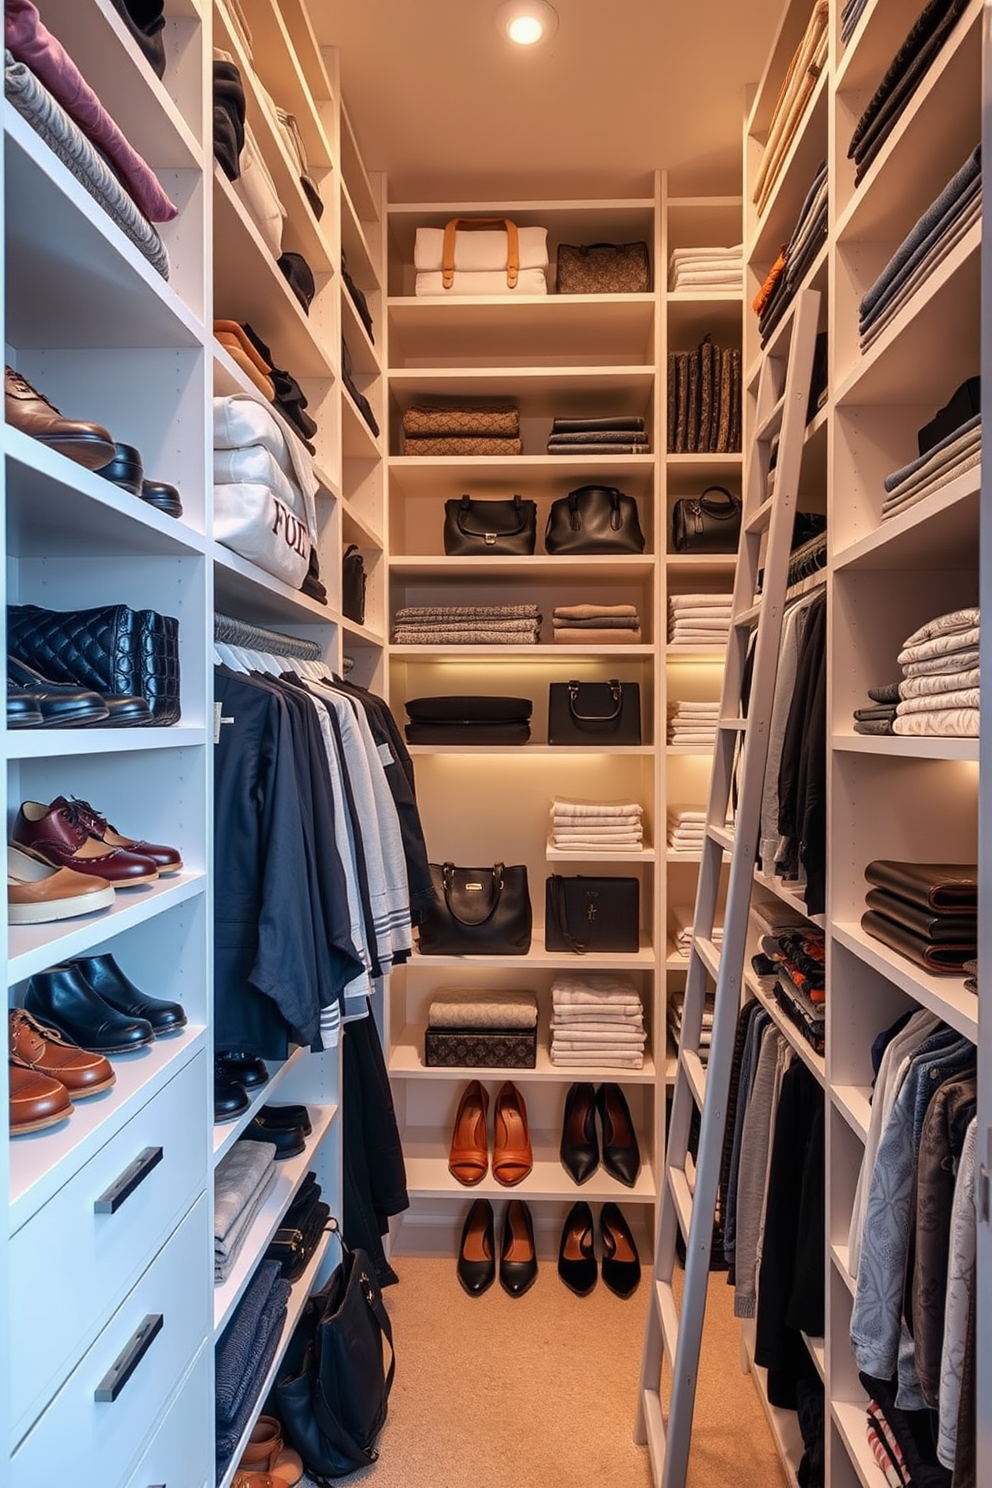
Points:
(491, 527)
(116, 651)
(478, 912)
(594, 519)
(353, 581)
(591, 914)
(332, 1391)
(603, 713)
(710, 523)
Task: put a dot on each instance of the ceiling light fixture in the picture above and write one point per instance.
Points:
(526, 22)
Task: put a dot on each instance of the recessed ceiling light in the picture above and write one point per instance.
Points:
(526, 22)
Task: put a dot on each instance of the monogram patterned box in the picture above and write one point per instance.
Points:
(481, 1048)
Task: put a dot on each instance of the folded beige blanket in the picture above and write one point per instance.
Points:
(594, 611)
(590, 637)
(461, 445)
(490, 417)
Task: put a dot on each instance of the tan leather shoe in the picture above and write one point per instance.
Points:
(26, 409)
(43, 1049)
(468, 1159)
(266, 1453)
(513, 1157)
(37, 893)
(36, 1100)
(254, 1480)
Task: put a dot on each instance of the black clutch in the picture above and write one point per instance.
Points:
(591, 914)
(604, 713)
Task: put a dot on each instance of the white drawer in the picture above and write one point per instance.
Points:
(72, 1263)
(180, 1453)
(81, 1439)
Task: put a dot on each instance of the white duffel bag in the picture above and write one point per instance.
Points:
(251, 520)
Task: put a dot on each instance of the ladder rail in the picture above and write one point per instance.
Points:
(741, 754)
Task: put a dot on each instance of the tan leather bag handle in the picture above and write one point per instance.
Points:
(470, 224)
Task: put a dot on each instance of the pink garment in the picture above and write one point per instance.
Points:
(33, 44)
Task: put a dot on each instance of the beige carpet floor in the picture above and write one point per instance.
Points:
(540, 1392)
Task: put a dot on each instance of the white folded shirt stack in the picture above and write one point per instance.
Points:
(939, 692)
(682, 930)
(600, 826)
(675, 1006)
(699, 620)
(480, 262)
(693, 724)
(707, 268)
(686, 829)
(597, 1020)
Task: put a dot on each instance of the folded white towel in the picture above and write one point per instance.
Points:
(689, 255)
(952, 623)
(947, 646)
(613, 1038)
(572, 1059)
(529, 282)
(964, 697)
(593, 809)
(939, 682)
(479, 249)
(936, 665)
(596, 1013)
(954, 723)
(689, 601)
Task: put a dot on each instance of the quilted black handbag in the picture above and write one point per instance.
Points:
(491, 527)
(591, 914)
(594, 713)
(594, 519)
(116, 651)
(332, 1391)
(710, 523)
(478, 912)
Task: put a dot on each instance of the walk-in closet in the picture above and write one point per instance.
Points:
(446, 445)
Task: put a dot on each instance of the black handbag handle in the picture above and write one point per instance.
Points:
(616, 690)
(616, 520)
(722, 511)
(447, 873)
(465, 507)
(561, 914)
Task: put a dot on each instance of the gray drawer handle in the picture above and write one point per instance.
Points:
(128, 1359)
(123, 1187)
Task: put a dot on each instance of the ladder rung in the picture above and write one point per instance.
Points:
(708, 954)
(760, 517)
(668, 1315)
(746, 618)
(654, 1428)
(679, 1185)
(722, 835)
(773, 422)
(695, 1074)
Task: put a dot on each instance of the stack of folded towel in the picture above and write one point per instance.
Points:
(879, 717)
(939, 691)
(795, 259)
(600, 826)
(945, 222)
(797, 89)
(693, 724)
(682, 930)
(244, 1353)
(708, 269)
(480, 262)
(686, 829)
(949, 444)
(467, 625)
(676, 1003)
(927, 912)
(454, 426)
(596, 625)
(597, 1020)
(598, 436)
(242, 1182)
(699, 620)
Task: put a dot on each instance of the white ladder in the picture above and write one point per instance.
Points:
(688, 1198)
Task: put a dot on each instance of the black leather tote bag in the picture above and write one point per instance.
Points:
(710, 523)
(333, 1388)
(591, 914)
(478, 912)
(594, 713)
(489, 527)
(594, 519)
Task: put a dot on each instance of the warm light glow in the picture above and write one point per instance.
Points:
(526, 22)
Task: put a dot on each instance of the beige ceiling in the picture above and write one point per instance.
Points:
(446, 107)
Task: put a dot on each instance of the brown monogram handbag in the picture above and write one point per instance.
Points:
(604, 268)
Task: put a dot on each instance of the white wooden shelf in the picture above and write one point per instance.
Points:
(909, 746)
(358, 441)
(406, 1061)
(414, 475)
(239, 583)
(356, 177)
(854, 1104)
(761, 987)
(541, 654)
(364, 355)
(943, 995)
(790, 894)
(226, 1133)
(841, 1258)
(538, 957)
(541, 566)
(25, 744)
(528, 751)
(852, 1427)
(361, 264)
(938, 532)
(491, 329)
(426, 1154)
(807, 149)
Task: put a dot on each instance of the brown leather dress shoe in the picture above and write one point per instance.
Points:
(513, 1157)
(468, 1160)
(58, 834)
(166, 859)
(36, 1100)
(266, 1453)
(26, 409)
(43, 1049)
(38, 894)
